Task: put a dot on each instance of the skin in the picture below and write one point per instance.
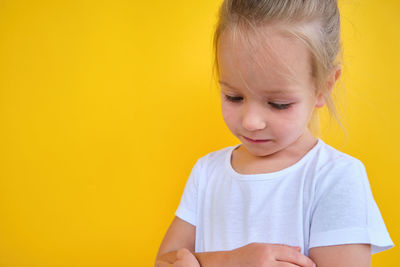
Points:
(184, 259)
(252, 76)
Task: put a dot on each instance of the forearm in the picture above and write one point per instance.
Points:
(169, 257)
(206, 259)
(212, 259)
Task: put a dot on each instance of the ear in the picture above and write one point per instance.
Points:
(332, 78)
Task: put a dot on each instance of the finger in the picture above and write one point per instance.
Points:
(181, 253)
(186, 259)
(289, 264)
(288, 246)
(297, 248)
(292, 256)
(162, 264)
(286, 264)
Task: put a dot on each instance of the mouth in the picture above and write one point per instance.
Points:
(256, 140)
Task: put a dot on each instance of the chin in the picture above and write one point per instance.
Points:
(260, 152)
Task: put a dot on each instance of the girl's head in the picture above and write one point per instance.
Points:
(279, 60)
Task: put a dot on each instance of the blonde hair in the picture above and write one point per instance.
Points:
(314, 22)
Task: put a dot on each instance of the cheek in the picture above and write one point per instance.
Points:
(288, 122)
(283, 126)
(228, 114)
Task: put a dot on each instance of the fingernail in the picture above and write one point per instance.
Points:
(314, 265)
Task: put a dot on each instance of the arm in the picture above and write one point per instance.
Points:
(349, 255)
(250, 255)
(209, 259)
(182, 234)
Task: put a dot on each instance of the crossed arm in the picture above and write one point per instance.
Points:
(182, 235)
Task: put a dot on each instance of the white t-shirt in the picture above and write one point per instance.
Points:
(323, 199)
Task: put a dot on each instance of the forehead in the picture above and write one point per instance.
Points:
(267, 59)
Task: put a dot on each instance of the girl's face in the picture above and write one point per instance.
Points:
(261, 100)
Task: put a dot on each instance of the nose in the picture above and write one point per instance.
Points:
(253, 118)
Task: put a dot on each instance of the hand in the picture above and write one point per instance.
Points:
(267, 255)
(184, 258)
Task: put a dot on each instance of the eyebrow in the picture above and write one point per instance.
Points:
(276, 91)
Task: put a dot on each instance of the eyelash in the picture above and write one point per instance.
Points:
(236, 99)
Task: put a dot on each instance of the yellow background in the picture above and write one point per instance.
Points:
(106, 105)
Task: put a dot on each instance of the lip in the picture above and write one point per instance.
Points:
(256, 141)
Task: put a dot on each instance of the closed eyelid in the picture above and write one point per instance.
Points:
(275, 100)
(277, 106)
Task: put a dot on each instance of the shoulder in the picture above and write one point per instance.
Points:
(339, 174)
(212, 162)
(331, 156)
(344, 210)
(335, 163)
(215, 158)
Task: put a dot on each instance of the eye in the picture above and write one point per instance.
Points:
(233, 98)
(279, 106)
(274, 105)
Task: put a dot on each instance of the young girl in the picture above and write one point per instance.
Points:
(281, 197)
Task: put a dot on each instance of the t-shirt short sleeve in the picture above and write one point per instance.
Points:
(187, 208)
(344, 210)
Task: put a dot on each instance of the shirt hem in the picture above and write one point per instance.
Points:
(352, 236)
